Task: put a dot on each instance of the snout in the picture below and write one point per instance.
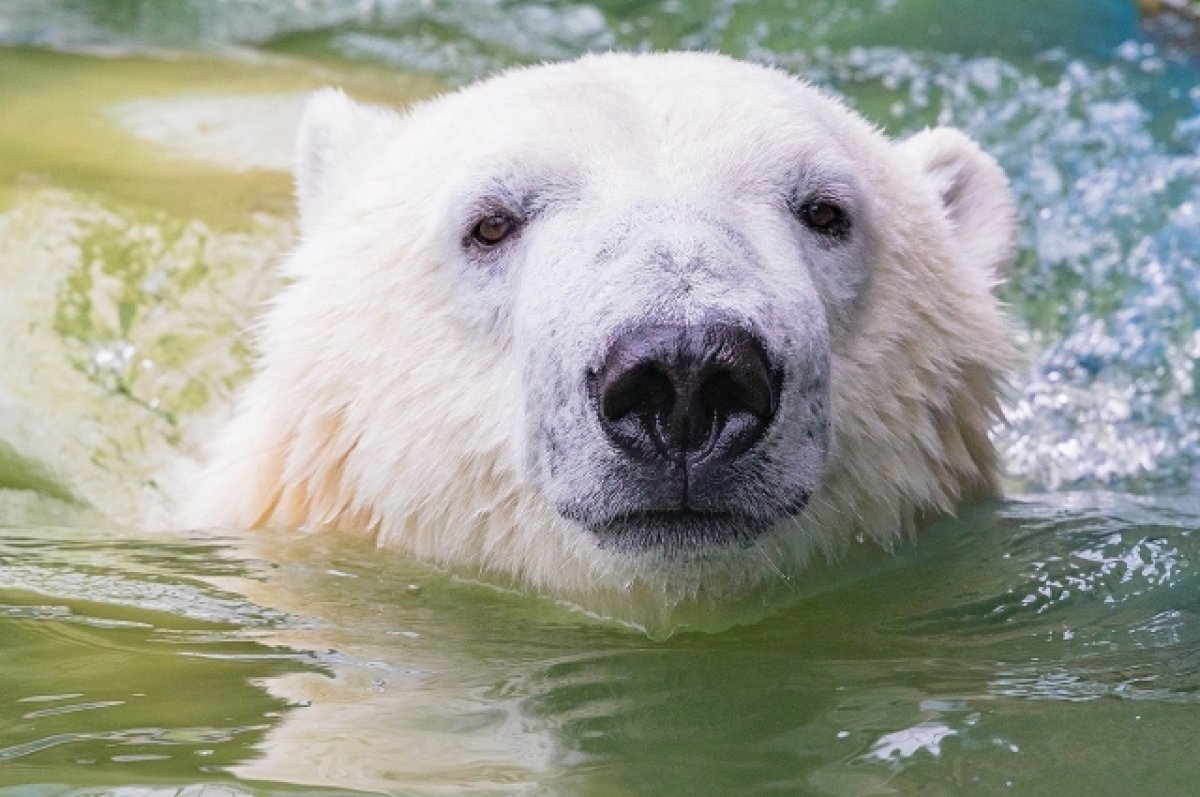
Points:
(697, 436)
(685, 411)
(690, 398)
(684, 407)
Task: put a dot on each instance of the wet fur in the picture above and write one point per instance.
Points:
(410, 394)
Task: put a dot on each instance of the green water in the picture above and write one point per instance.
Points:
(1049, 644)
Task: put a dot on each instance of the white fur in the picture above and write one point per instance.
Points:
(389, 400)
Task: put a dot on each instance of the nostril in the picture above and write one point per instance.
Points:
(717, 394)
(726, 393)
(643, 390)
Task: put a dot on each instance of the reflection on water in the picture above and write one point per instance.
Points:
(1045, 645)
(113, 662)
(1022, 636)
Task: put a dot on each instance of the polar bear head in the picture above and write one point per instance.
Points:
(666, 321)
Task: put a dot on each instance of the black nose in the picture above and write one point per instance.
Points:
(686, 394)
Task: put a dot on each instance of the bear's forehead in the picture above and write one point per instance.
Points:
(661, 93)
(691, 111)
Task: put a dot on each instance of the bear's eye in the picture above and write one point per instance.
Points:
(492, 229)
(825, 218)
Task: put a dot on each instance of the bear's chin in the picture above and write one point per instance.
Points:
(679, 533)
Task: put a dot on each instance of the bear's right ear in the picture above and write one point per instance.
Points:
(974, 193)
(334, 130)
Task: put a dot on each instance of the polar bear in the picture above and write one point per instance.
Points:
(660, 324)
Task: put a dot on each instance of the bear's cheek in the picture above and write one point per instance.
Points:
(482, 289)
(843, 275)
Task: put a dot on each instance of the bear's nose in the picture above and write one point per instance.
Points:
(686, 394)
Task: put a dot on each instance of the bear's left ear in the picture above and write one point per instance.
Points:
(974, 192)
(335, 132)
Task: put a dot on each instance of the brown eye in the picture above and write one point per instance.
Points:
(493, 229)
(825, 218)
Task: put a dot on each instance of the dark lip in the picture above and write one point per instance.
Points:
(679, 531)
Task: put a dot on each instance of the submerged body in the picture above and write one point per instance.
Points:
(665, 322)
